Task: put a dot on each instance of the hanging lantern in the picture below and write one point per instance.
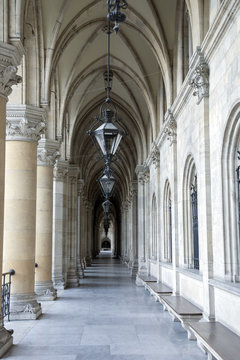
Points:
(107, 136)
(106, 206)
(107, 181)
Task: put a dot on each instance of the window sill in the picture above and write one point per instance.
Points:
(153, 260)
(193, 273)
(166, 264)
(233, 288)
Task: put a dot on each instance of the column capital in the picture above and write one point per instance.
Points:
(142, 172)
(47, 152)
(24, 123)
(200, 77)
(134, 188)
(9, 60)
(73, 172)
(60, 170)
(81, 185)
(170, 127)
(155, 155)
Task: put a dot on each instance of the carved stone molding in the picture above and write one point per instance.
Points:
(133, 189)
(25, 123)
(73, 172)
(142, 172)
(155, 156)
(81, 186)
(200, 79)
(9, 60)
(47, 152)
(25, 306)
(60, 170)
(170, 128)
(8, 78)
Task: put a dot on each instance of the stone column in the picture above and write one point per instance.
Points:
(134, 255)
(24, 126)
(72, 275)
(142, 268)
(147, 216)
(89, 235)
(200, 84)
(59, 223)
(47, 153)
(80, 265)
(171, 131)
(8, 62)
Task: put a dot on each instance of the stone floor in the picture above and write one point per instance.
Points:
(107, 317)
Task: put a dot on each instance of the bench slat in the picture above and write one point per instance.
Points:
(222, 340)
(181, 306)
(160, 288)
(148, 278)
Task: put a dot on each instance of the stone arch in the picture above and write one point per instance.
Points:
(167, 221)
(189, 183)
(230, 162)
(153, 247)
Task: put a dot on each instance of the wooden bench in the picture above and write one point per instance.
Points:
(182, 310)
(157, 289)
(141, 280)
(217, 341)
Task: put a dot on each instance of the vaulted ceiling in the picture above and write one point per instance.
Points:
(70, 43)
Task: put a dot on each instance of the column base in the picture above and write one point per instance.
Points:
(72, 278)
(25, 307)
(80, 269)
(6, 340)
(59, 284)
(134, 268)
(88, 261)
(45, 291)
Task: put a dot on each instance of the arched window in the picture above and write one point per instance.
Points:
(238, 196)
(167, 211)
(154, 229)
(187, 40)
(231, 196)
(194, 208)
(190, 215)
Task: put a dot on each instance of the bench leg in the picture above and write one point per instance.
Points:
(174, 318)
(139, 282)
(211, 357)
(202, 347)
(190, 334)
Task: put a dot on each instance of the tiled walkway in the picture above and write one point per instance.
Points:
(107, 317)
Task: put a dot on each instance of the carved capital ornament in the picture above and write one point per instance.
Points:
(200, 81)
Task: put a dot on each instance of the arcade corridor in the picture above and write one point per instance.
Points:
(107, 317)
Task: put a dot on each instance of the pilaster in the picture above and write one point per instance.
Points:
(59, 270)
(141, 174)
(47, 154)
(72, 275)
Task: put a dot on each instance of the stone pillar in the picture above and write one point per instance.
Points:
(89, 235)
(200, 84)
(171, 131)
(72, 274)
(24, 126)
(47, 153)
(59, 273)
(122, 234)
(8, 62)
(80, 265)
(134, 254)
(147, 216)
(142, 268)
